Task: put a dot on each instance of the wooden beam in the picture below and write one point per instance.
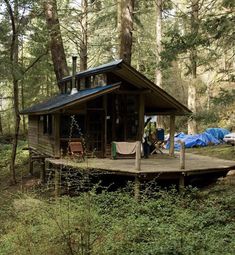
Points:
(141, 117)
(133, 92)
(164, 112)
(57, 135)
(181, 183)
(182, 155)
(43, 171)
(105, 124)
(30, 163)
(172, 136)
(137, 188)
(57, 180)
(138, 156)
(114, 116)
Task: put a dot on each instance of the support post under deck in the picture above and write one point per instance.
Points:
(181, 182)
(57, 181)
(30, 163)
(137, 188)
(43, 171)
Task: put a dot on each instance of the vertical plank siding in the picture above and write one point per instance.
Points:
(43, 143)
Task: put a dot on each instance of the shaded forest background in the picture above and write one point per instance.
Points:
(186, 47)
(193, 49)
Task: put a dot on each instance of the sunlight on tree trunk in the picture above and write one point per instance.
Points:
(83, 44)
(126, 30)
(158, 72)
(56, 42)
(192, 125)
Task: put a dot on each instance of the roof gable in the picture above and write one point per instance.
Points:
(158, 101)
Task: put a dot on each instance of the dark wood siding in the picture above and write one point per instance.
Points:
(43, 143)
(33, 131)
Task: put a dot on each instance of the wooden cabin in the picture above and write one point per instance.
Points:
(108, 103)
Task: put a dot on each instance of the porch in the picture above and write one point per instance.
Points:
(159, 167)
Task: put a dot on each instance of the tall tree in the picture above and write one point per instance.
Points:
(1, 129)
(127, 7)
(158, 72)
(14, 57)
(192, 124)
(83, 42)
(56, 42)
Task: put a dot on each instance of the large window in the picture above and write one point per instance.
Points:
(75, 128)
(47, 124)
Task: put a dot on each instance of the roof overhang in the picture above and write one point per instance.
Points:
(63, 101)
(159, 101)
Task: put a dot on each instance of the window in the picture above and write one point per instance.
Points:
(47, 124)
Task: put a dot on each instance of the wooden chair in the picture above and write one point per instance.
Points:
(158, 147)
(76, 149)
(158, 144)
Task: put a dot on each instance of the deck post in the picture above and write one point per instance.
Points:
(57, 181)
(30, 163)
(182, 155)
(141, 116)
(172, 136)
(57, 135)
(181, 182)
(138, 156)
(43, 171)
(137, 188)
(105, 124)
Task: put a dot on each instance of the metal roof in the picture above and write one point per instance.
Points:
(159, 101)
(96, 70)
(64, 100)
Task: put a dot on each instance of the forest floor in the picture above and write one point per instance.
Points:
(222, 151)
(164, 222)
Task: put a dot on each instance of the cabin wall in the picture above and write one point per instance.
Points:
(33, 131)
(44, 143)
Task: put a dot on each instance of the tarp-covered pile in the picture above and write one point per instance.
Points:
(212, 136)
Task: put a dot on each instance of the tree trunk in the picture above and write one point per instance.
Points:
(192, 125)
(83, 45)
(16, 129)
(158, 73)
(126, 30)
(1, 130)
(14, 59)
(22, 89)
(56, 42)
(22, 106)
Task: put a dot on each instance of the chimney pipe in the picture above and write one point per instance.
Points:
(74, 71)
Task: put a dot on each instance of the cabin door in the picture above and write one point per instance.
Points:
(95, 132)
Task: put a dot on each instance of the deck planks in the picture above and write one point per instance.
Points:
(158, 164)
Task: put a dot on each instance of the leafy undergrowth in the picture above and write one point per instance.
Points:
(21, 161)
(162, 222)
(222, 151)
(114, 223)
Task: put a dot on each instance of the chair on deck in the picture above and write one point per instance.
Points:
(76, 149)
(158, 147)
(158, 141)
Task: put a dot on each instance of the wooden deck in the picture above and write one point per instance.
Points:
(162, 166)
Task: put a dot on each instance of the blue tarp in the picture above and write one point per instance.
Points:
(218, 133)
(211, 136)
